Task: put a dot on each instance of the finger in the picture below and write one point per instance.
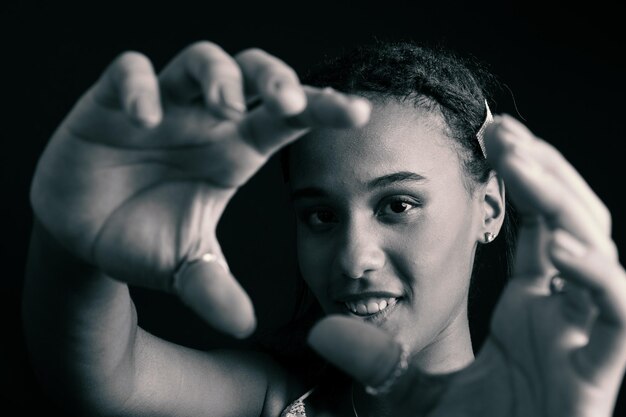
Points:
(204, 70)
(375, 361)
(209, 289)
(532, 263)
(577, 305)
(259, 134)
(326, 108)
(334, 338)
(603, 358)
(554, 162)
(539, 193)
(130, 83)
(273, 80)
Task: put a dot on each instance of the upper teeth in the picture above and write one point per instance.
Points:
(369, 305)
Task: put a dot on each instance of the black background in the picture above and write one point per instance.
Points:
(559, 63)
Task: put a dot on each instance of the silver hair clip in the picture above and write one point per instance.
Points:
(481, 132)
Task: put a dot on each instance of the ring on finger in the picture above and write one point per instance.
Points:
(180, 271)
(558, 284)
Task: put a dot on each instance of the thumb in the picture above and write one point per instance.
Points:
(210, 290)
(376, 360)
(375, 357)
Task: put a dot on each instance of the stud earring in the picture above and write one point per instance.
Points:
(489, 237)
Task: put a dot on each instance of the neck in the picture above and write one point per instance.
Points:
(450, 351)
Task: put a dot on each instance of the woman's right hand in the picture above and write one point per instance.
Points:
(135, 179)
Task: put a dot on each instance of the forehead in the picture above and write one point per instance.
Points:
(399, 137)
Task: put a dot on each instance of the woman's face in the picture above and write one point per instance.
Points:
(386, 229)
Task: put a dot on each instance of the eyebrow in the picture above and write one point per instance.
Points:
(379, 182)
(397, 177)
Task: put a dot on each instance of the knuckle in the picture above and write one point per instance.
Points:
(606, 218)
(265, 76)
(556, 208)
(266, 67)
(549, 149)
(128, 61)
(604, 256)
(204, 48)
(290, 73)
(130, 68)
(209, 68)
(612, 250)
(228, 70)
(269, 75)
(252, 53)
(202, 67)
(205, 58)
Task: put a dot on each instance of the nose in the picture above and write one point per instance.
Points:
(359, 253)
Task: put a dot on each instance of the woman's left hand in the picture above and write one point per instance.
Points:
(557, 344)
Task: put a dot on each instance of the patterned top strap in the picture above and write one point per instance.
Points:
(296, 408)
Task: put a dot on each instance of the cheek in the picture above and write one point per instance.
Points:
(312, 260)
(433, 271)
(436, 254)
(448, 232)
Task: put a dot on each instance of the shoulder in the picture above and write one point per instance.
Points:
(284, 386)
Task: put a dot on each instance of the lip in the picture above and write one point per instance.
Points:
(351, 297)
(376, 318)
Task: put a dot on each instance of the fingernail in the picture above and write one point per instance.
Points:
(291, 98)
(568, 244)
(146, 110)
(362, 109)
(232, 100)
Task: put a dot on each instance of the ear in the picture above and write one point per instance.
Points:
(492, 200)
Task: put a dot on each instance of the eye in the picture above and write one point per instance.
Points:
(397, 206)
(322, 216)
(319, 219)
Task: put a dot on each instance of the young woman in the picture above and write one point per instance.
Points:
(397, 180)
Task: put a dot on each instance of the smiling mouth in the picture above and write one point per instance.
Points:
(370, 307)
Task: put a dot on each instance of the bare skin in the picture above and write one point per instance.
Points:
(137, 167)
(547, 354)
(384, 213)
(134, 182)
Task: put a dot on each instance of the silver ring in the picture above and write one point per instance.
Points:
(206, 257)
(558, 284)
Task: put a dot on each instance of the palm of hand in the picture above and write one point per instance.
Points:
(527, 366)
(549, 353)
(136, 178)
(177, 176)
